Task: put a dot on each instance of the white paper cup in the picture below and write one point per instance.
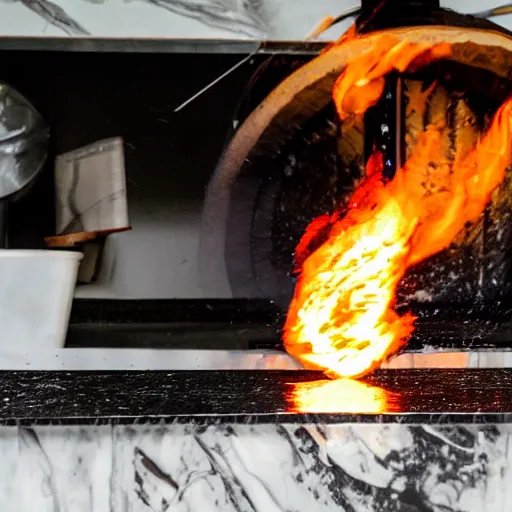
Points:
(36, 293)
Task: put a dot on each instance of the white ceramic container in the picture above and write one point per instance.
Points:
(36, 292)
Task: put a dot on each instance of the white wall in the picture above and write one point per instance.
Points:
(157, 259)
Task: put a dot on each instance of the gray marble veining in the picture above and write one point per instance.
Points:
(210, 19)
(238, 19)
(255, 468)
(57, 16)
(248, 18)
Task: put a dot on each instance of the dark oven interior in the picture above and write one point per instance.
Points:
(170, 159)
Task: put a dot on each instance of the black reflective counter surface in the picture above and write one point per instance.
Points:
(410, 396)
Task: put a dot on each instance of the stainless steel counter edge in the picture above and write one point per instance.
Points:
(173, 360)
(111, 45)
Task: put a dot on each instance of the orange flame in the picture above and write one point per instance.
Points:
(341, 319)
(361, 84)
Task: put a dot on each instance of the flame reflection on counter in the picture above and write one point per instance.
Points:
(339, 396)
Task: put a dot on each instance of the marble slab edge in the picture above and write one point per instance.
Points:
(411, 396)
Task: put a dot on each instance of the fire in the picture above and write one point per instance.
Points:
(361, 84)
(341, 395)
(341, 319)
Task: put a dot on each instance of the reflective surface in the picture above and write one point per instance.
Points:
(23, 141)
(327, 396)
(203, 46)
(186, 358)
(423, 396)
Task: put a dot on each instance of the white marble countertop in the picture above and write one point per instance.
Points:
(197, 19)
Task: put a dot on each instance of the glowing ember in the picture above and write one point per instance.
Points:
(342, 319)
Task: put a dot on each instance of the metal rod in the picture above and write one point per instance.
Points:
(399, 135)
(495, 11)
(383, 127)
(213, 82)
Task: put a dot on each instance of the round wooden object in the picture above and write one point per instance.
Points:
(296, 100)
